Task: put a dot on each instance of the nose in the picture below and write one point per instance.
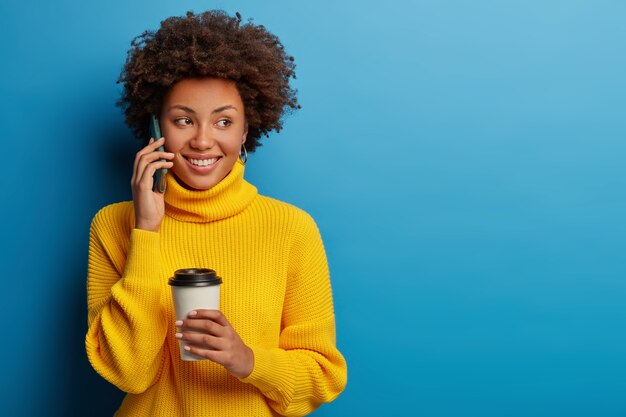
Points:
(203, 138)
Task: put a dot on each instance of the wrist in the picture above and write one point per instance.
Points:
(147, 226)
(247, 365)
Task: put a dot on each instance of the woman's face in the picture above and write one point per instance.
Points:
(203, 122)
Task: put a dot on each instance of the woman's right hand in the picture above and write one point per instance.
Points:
(149, 205)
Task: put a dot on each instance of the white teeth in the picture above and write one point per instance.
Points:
(203, 162)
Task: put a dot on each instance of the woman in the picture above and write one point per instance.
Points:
(217, 85)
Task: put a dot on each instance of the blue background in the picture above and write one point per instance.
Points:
(464, 161)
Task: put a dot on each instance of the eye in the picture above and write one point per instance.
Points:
(182, 121)
(224, 123)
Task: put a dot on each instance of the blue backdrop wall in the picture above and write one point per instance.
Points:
(464, 161)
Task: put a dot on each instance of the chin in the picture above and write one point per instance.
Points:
(195, 185)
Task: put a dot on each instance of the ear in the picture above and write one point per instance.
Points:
(245, 134)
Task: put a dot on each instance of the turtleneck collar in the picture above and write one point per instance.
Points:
(227, 198)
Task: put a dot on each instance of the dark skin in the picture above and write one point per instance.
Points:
(210, 44)
(198, 133)
(216, 340)
(219, 341)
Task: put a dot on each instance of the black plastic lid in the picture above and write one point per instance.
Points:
(195, 277)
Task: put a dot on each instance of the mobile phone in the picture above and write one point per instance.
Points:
(159, 183)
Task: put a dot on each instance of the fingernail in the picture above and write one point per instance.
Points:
(187, 348)
(179, 335)
(162, 138)
(151, 140)
(193, 313)
(179, 323)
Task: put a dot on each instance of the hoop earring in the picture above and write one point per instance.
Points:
(243, 154)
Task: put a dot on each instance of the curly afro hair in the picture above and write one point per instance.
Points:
(211, 44)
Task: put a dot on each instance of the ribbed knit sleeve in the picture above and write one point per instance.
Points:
(127, 329)
(306, 369)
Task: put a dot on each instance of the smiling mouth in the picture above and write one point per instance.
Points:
(202, 162)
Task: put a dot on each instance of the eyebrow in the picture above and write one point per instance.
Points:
(192, 111)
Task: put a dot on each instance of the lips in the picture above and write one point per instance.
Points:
(202, 164)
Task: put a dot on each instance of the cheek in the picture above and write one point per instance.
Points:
(234, 143)
(234, 147)
(173, 143)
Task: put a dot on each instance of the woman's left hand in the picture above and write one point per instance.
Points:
(216, 340)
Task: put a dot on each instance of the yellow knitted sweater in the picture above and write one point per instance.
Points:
(276, 294)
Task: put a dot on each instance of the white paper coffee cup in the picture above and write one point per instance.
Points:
(193, 289)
